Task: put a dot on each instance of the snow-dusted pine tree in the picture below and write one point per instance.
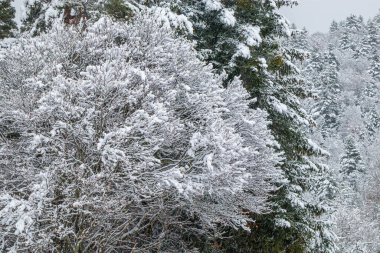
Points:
(353, 144)
(241, 38)
(351, 163)
(328, 106)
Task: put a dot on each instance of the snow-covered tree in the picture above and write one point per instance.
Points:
(345, 41)
(351, 163)
(334, 27)
(352, 139)
(327, 109)
(241, 38)
(121, 139)
(267, 70)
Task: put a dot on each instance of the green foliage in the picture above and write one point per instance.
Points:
(351, 161)
(118, 9)
(7, 14)
(328, 107)
(351, 164)
(33, 21)
(271, 78)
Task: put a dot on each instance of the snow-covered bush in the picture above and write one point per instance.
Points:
(119, 139)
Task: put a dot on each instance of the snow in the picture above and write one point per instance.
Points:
(278, 106)
(283, 223)
(213, 5)
(317, 148)
(144, 128)
(228, 18)
(272, 3)
(171, 19)
(208, 161)
(252, 35)
(20, 11)
(243, 51)
(285, 25)
(263, 62)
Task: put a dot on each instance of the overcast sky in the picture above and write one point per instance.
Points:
(317, 15)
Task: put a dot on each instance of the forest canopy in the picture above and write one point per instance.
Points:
(186, 126)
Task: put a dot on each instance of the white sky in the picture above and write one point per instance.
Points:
(317, 15)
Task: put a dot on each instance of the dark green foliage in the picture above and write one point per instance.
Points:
(351, 163)
(274, 82)
(7, 24)
(33, 21)
(118, 9)
(328, 107)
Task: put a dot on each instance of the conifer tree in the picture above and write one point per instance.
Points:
(373, 37)
(369, 108)
(372, 45)
(374, 70)
(7, 14)
(299, 39)
(352, 33)
(345, 41)
(351, 163)
(334, 26)
(354, 23)
(35, 20)
(118, 9)
(364, 47)
(328, 106)
(352, 144)
(227, 36)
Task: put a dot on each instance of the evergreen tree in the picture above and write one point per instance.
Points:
(352, 33)
(373, 34)
(371, 120)
(299, 39)
(351, 163)
(345, 41)
(334, 27)
(364, 47)
(35, 20)
(327, 108)
(372, 44)
(356, 96)
(369, 108)
(373, 38)
(376, 19)
(7, 14)
(374, 70)
(241, 38)
(118, 9)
